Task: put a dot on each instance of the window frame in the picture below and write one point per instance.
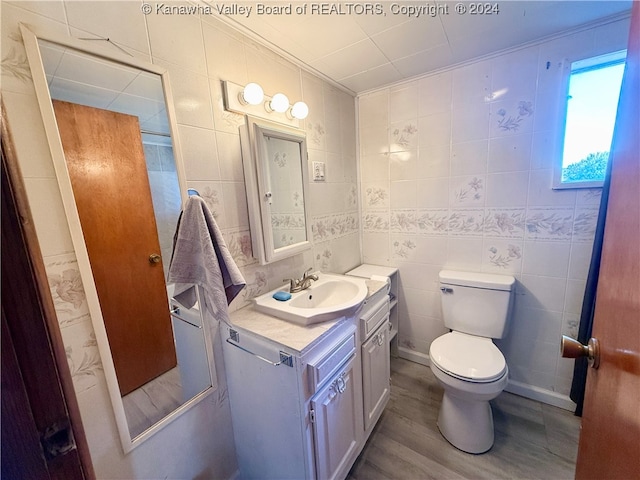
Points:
(617, 57)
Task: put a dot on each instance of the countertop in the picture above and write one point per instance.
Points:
(288, 334)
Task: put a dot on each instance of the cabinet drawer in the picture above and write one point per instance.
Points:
(322, 370)
(374, 316)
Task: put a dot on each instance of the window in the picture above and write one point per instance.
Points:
(592, 101)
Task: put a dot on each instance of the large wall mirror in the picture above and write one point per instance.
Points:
(109, 123)
(276, 178)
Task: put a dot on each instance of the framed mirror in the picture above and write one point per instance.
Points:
(109, 121)
(276, 178)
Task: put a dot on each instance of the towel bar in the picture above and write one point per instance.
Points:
(285, 358)
(174, 313)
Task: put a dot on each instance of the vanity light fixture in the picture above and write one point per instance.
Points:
(252, 94)
(278, 103)
(250, 99)
(300, 110)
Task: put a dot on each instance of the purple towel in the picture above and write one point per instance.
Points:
(201, 257)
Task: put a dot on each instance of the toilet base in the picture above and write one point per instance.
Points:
(466, 424)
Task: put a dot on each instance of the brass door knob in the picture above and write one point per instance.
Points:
(570, 348)
(154, 258)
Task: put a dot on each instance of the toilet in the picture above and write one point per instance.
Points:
(465, 361)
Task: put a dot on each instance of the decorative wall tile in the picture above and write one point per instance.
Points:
(375, 221)
(82, 355)
(584, 224)
(589, 196)
(468, 222)
(323, 258)
(315, 134)
(376, 196)
(432, 221)
(467, 190)
(239, 244)
(256, 280)
(504, 223)
(546, 223)
(502, 256)
(402, 248)
(509, 118)
(66, 288)
(403, 221)
(403, 136)
(327, 227)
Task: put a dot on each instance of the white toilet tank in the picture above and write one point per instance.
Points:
(476, 303)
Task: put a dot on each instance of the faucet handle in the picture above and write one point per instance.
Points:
(306, 274)
(293, 283)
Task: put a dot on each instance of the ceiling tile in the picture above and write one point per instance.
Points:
(412, 37)
(382, 75)
(425, 61)
(353, 59)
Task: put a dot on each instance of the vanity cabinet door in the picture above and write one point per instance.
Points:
(335, 431)
(375, 374)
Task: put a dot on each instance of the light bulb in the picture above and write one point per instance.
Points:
(279, 103)
(300, 110)
(252, 94)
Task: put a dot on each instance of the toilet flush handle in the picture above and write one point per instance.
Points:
(446, 290)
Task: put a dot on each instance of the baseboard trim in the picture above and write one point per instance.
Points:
(541, 395)
(518, 388)
(413, 356)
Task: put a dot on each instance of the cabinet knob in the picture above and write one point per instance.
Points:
(154, 258)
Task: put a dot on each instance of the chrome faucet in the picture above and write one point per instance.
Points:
(302, 283)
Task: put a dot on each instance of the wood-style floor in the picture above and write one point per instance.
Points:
(532, 440)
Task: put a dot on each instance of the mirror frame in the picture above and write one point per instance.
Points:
(256, 171)
(30, 37)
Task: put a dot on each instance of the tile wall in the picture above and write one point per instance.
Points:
(199, 53)
(456, 173)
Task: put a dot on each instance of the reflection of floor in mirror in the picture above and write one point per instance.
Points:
(152, 402)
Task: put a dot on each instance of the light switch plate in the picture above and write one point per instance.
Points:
(318, 171)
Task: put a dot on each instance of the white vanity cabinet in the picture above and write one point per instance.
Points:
(334, 410)
(375, 375)
(296, 401)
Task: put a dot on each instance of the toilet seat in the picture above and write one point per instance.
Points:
(468, 357)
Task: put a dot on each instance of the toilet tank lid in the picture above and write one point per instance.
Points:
(479, 280)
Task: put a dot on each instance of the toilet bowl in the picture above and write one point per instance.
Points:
(465, 361)
(472, 371)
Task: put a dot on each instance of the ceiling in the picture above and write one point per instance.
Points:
(85, 79)
(365, 51)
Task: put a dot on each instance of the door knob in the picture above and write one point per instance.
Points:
(154, 258)
(570, 348)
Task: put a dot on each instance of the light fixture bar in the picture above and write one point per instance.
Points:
(232, 93)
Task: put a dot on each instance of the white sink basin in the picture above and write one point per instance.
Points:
(330, 297)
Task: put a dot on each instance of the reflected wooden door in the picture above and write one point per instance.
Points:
(610, 437)
(108, 173)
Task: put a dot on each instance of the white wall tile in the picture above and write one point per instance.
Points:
(546, 258)
(510, 154)
(199, 153)
(434, 94)
(507, 189)
(403, 103)
(185, 45)
(469, 158)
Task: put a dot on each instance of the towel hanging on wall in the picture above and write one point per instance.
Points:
(201, 257)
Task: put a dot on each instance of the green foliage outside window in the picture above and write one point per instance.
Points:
(592, 167)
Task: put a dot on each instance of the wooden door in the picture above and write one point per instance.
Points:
(610, 437)
(106, 164)
(42, 433)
